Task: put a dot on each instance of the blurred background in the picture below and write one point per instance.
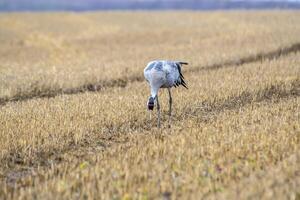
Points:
(86, 5)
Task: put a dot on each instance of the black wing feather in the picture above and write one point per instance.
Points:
(181, 77)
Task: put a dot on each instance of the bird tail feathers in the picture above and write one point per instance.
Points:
(183, 63)
(181, 80)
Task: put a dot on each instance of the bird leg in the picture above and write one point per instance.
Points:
(158, 112)
(170, 106)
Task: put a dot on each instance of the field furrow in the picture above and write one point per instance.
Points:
(123, 81)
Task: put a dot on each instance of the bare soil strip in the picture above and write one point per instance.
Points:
(254, 58)
(37, 93)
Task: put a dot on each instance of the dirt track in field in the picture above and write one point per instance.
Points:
(124, 81)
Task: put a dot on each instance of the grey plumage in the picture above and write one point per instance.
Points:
(163, 74)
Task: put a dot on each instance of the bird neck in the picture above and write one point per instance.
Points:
(154, 91)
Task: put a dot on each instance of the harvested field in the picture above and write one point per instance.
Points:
(73, 120)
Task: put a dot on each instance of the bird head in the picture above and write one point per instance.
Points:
(150, 103)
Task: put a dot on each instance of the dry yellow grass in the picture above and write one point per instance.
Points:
(236, 131)
(57, 52)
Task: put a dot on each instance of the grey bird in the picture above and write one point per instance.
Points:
(163, 74)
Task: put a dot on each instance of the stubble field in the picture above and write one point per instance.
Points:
(73, 118)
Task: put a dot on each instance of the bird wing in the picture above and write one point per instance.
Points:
(155, 69)
(180, 80)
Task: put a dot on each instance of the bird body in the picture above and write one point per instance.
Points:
(163, 74)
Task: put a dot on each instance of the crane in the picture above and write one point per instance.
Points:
(163, 74)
